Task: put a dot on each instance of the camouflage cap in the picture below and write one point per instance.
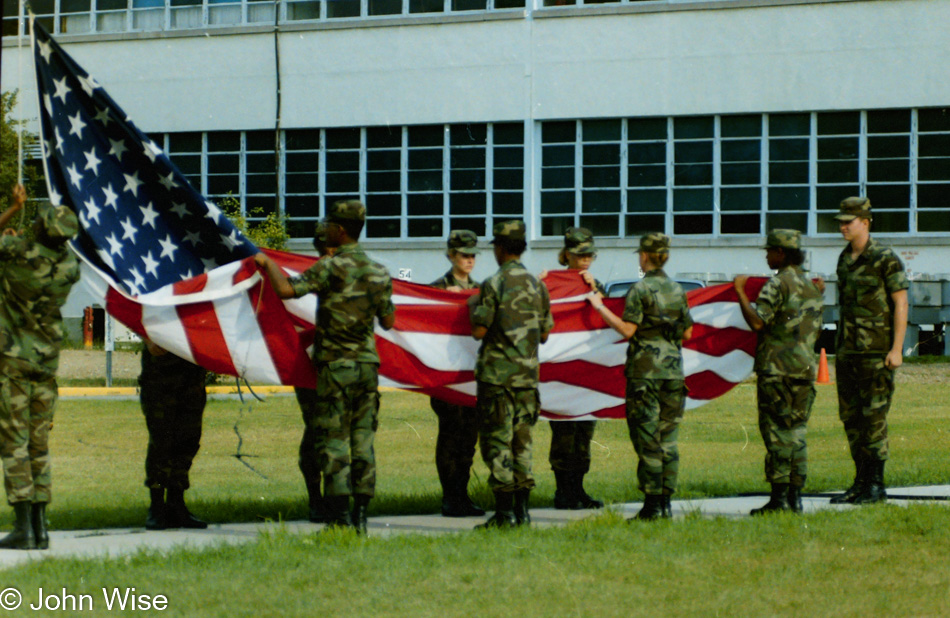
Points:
(463, 241)
(510, 230)
(784, 239)
(853, 207)
(577, 241)
(59, 222)
(654, 242)
(346, 210)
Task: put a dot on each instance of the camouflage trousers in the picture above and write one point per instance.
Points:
(570, 445)
(173, 413)
(307, 460)
(505, 419)
(654, 411)
(344, 426)
(26, 414)
(865, 389)
(455, 444)
(784, 407)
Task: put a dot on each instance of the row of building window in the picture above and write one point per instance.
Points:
(691, 175)
(107, 16)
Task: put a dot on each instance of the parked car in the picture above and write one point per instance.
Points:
(622, 286)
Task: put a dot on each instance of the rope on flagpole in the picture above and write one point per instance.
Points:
(19, 85)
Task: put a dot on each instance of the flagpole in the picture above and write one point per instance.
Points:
(19, 85)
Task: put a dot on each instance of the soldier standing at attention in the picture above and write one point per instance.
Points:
(570, 440)
(35, 278)
(511, 316)
(352, 290)
(458, 425)
(172, 394)
(656, 321)
(872, 293)
(307, 400)
(787, 317)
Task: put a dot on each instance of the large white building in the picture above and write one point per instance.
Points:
(713, 121)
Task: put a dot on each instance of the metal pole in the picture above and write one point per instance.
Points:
(110, 346)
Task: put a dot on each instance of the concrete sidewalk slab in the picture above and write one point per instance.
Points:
(89, 544)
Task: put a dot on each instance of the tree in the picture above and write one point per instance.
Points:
(270, 233)
(32, 176)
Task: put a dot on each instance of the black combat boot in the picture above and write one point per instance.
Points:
(177, 514)
(156, 518)
(874, 490)
(565, 495)
(504, 516)
(522, 515)
(317, 510)
(795, 499)
(585, 501)
(778, 501)
(22, 536)
(652, 508)
(666, 507)
(38, 519)
(338, 511)
(455, 499)
(857, 487)
(360, 507)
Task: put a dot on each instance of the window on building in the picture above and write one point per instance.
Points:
(888, 168)
(933, 170)
(75, 16)
(506, 172)
(559, 166)
(789, 179)
(425, 203)
(186, 151)
(260, 178)
(301, 181)
(601, 184)
(223, 170)
(646, 176)
(693, 175)
(468, 180)
(384, 181)
(740, 193)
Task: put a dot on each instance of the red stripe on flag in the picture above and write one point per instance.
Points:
(126, 311)
(403, 367)
(190, 286)
(720, 341)
(205, 338)
(706, 385)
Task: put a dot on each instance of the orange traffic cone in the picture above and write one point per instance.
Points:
(823, 369)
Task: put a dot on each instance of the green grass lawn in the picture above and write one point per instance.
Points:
(881, 560)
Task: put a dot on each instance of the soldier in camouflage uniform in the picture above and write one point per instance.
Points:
(352, 290)
(571, 440)
(656, 321)
(307, 400)
(172, 394)
(787, 317)
(511, 316)
(458, 425)
(872, 293)
(35, 278)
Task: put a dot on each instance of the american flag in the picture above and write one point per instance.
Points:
(168, 264)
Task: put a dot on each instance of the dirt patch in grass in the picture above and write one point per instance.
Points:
(91, 364)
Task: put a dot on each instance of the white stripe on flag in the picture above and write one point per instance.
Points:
(602, 347)
(437, 351)
(719, 315)
(245, 341)
(733, 367)
(162, 325)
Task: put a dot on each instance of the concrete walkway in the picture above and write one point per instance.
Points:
(124, 541)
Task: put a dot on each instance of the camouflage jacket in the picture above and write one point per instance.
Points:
(351, 290)
(448, 280)
(790, 305)
(865, 286)
(34, 283)
(516, 309)
(657, 305)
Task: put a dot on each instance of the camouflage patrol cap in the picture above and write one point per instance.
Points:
(59, 222)
(654, 242)
(852, 208)
(784, 239)
(463, 241)
(509, 230)
(577, 241)
(346, 210)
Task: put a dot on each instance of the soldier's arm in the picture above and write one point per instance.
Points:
(895, 358)
(16, 203)
(625, 329)
(748, 312)
(275, 275)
